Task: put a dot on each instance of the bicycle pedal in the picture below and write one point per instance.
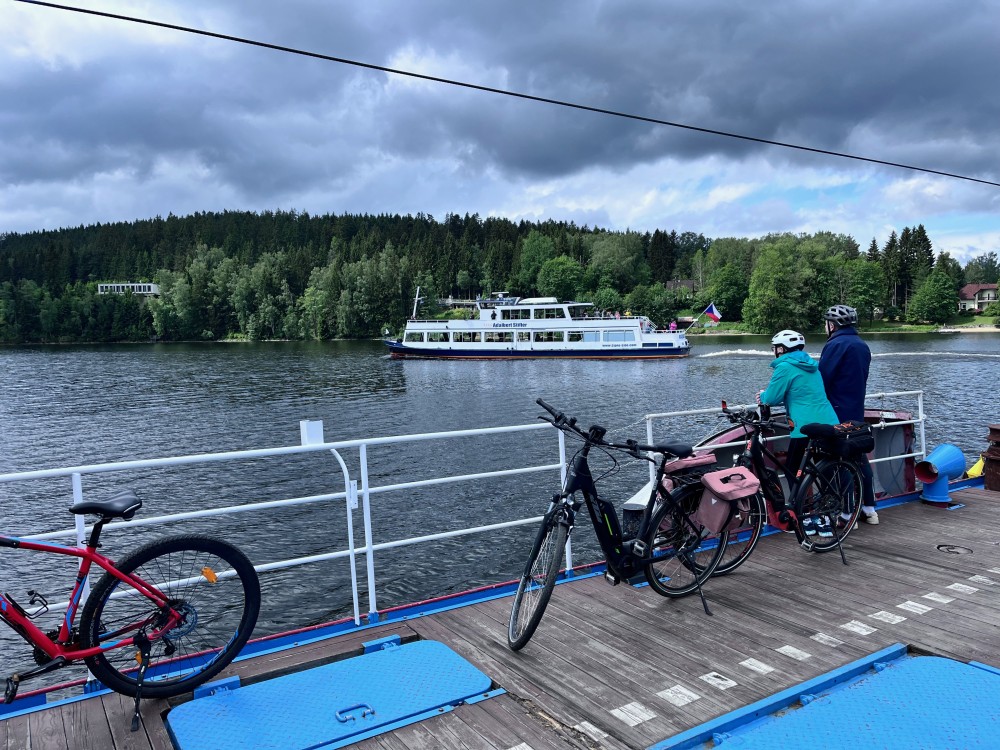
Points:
(611, 578)
(637, 547)
(807, 545)
(11, 692)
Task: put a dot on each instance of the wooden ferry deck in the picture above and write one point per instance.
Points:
(624, 668)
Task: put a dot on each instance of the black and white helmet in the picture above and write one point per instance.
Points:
(788, 339)
(842, 315)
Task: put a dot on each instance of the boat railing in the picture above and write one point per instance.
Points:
(870, 398)
(357, 490)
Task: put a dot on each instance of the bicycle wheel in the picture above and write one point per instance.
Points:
(210, 582)
(537, 582)
(683, 556)
(744, 538)
(832, 492)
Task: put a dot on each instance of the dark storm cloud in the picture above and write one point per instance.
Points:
(890, 80)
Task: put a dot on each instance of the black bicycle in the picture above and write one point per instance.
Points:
(672, 548)
(826, 495)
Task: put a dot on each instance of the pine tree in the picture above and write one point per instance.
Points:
(873, 254)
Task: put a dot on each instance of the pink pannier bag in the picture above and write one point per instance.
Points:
(684, 464)
(725, 502)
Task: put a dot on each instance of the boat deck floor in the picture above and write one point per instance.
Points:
(624, 668)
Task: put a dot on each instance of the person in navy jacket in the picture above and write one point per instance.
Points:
(844, 364)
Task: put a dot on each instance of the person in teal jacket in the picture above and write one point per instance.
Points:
(797, 384)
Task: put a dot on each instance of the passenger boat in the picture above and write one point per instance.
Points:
(503, 327)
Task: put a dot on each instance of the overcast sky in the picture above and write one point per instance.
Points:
(104, 120)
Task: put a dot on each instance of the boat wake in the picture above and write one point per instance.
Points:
(736, 352)
(980, 355)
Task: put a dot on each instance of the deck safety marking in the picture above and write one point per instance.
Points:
(916, 607)
(888, 617)
(962, 588)
(633, 714)
(757, 666)
(522, 746)
(983, 579)
(939, 598)
(994, 570)
(827, 640)
(858, 627)
(719, 681)
(678, 695)
(590, 730)
(796, 653)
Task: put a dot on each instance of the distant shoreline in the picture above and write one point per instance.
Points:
(949, 331)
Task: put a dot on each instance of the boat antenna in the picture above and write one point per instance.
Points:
(417, 299)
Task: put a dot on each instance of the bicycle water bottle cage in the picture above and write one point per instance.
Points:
(123, 504)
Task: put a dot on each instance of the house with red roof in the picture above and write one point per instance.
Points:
(976, 296)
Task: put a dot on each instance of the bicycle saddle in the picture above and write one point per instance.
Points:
(681, 450)
(122, 504)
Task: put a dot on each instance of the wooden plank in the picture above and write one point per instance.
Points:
(87, 725)
(18, 733)
(48, 731)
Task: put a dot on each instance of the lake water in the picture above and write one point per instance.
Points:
(62, 406)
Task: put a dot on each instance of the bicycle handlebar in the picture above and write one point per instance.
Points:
(750, 417)
(595, 435)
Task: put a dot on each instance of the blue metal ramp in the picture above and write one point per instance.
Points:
(897, 703)
(333, 705)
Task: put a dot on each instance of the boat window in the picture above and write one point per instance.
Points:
(619, 336)
(584, 336)
(498, 337)
(437, 336)
(515, 314)
(523, 336)
(548, 336)
(465, 337)
(550, 313)
(413, 336)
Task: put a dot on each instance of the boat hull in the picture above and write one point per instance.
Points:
(398, 350)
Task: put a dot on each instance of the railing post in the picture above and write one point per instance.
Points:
(920, 413)
(649, 441)
(80, 523)
(562, 483)
(369, 552)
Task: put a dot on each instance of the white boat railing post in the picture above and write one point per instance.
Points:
(649, 441)
(351, 490)
(367, 516)
(562, 483)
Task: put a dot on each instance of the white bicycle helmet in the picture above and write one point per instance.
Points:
(788, 339)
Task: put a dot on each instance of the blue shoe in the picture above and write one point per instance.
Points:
(809, 526)
(823, 527)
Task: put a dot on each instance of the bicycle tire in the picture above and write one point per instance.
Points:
(743, 539)
(219, 615)
(683, 558)
(833, 488)
(535, 587)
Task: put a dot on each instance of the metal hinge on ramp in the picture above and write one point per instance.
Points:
(388, 686)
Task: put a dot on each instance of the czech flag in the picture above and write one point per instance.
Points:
(711, 312)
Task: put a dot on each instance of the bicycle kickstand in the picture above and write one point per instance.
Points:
(144, 647)
(704, 601)
(840, 545)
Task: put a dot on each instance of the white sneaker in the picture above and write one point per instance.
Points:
(871, 518)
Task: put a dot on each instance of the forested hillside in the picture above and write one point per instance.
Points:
(292, 275)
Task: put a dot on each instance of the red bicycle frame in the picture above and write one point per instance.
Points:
(12, 614)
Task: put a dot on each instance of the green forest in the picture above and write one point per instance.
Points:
(290, 275)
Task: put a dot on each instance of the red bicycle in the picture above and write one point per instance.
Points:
(167, 618)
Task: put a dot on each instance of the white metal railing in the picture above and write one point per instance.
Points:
(869, 397)
(312, 442)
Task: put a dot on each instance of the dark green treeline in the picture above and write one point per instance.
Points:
(297, 276)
